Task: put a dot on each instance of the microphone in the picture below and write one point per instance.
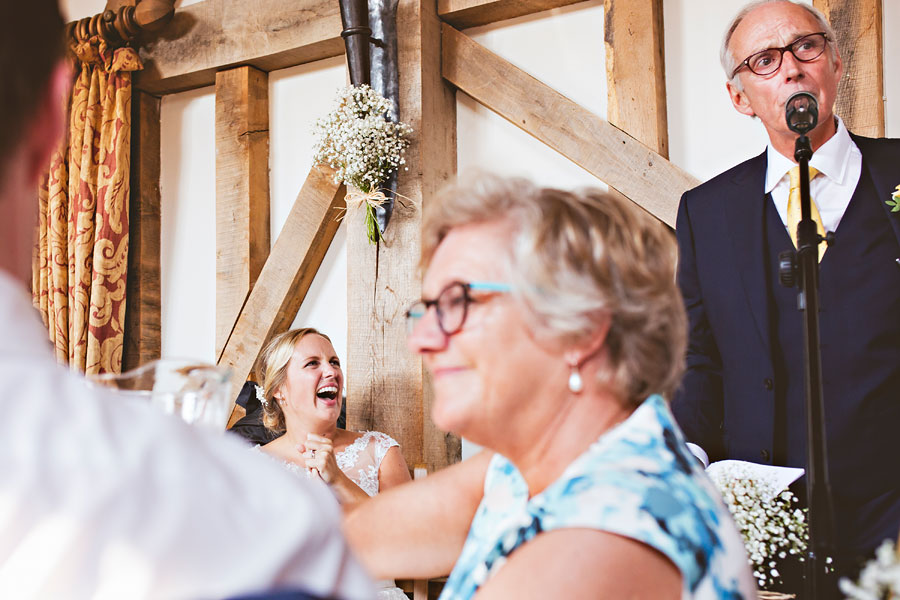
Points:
(801, 112)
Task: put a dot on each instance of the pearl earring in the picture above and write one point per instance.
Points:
(576, 384)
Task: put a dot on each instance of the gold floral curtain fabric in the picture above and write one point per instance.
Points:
(81, 256)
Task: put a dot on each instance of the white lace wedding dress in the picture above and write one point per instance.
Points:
(360, 461)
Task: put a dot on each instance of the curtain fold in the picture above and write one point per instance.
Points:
(81, 254)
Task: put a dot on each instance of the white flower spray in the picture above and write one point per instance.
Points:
(879, 579)
(773, 530)
(362, 146)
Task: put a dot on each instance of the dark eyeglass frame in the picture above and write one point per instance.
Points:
(789, 48)
(418, 310)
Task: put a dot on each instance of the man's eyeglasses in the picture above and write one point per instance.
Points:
(805, 49)
(451, 305)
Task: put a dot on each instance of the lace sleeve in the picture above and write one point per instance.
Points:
(361, 460)
(383, 443)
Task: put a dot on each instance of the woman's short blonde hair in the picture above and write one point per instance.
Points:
(271, 371)
(578, 258)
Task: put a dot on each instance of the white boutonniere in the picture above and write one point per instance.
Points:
(894, 202)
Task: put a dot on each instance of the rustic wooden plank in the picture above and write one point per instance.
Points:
(385, 383)
(607, 152)
(636, 71)
(142, 339)
(471, 13)
(242, 190)
(285, 278)
(858, 25)
(219, 34)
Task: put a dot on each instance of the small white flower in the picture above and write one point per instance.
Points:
(261, 396)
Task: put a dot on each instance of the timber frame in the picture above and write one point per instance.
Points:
(233, 45)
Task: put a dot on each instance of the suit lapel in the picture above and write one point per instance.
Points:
(883, 169)
(744, 215)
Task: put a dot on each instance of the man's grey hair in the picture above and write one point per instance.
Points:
(730, 62)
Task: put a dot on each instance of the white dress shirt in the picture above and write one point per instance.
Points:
(839, 162)
(104, 497)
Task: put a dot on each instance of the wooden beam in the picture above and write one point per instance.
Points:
(142, 339)
(636, 71)
(386, 385)
(858, 25)
(219, 34)
(242, 190)
(471, 13)
(287, 274)
(607, 152)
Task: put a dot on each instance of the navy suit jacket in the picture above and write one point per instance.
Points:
(726, 403)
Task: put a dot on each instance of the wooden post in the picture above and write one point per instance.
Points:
(385, 384)
(858, 25)
(142, 338)
(636, 71)
(242, 190)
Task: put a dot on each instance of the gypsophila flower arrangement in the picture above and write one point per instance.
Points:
(774, 528)
(879, 578)
(363, 147)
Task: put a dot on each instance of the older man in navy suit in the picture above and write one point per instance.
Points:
(743, 394)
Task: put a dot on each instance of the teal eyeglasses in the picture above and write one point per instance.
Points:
(452, 304)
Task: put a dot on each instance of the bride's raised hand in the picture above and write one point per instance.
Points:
(319, 454)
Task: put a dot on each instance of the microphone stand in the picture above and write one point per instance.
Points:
(818, 582)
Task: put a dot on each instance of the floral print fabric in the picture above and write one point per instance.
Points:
(81, 255)
(637, 480)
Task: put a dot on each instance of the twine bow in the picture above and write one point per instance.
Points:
(374, 199)
(371, 200)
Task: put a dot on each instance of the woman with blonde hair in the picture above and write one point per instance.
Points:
(301, 385)
(553, 330)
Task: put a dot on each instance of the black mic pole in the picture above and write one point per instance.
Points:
(802, 114)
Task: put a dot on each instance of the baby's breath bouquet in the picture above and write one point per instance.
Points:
(879, 579)
(774, 528)
(363, 146)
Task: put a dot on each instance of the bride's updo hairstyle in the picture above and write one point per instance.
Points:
(578, 258)
(271, 371)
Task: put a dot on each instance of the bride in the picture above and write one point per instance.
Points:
(301, 383)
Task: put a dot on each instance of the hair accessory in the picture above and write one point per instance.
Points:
(576, 384)
(261, 395)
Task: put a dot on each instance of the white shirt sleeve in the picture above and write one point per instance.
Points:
(102, 497)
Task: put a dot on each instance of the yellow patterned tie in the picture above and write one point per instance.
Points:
(793, 209)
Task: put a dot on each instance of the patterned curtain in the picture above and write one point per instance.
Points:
(81, 254)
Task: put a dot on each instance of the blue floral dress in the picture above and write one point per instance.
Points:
(637, 480)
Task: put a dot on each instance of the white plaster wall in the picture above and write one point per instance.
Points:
(188, 229)
(891, 67)
(297, 97)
